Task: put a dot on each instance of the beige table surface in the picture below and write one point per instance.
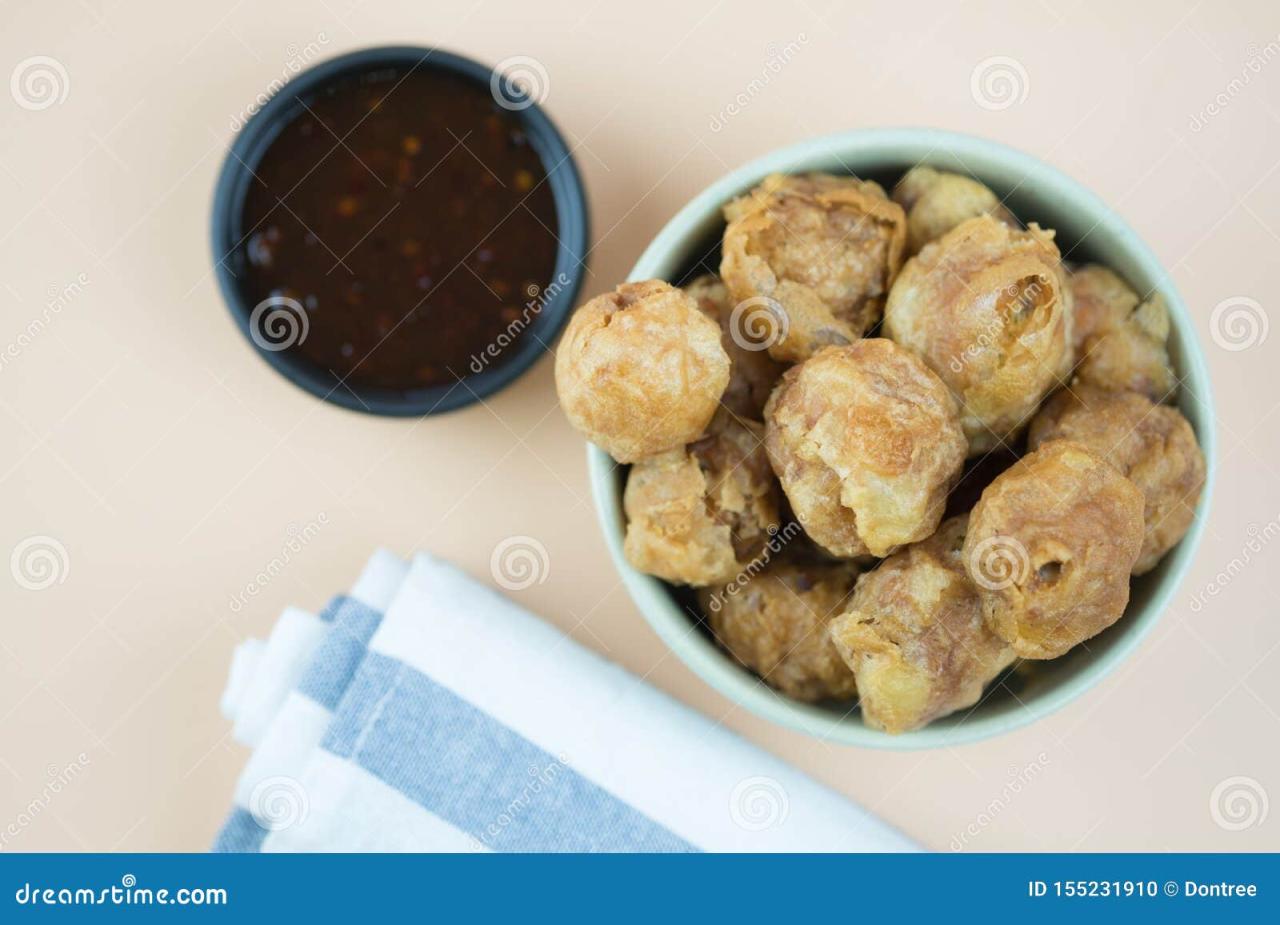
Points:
(171, 464)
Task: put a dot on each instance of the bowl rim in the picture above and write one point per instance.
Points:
(572, 233)
(717, 668)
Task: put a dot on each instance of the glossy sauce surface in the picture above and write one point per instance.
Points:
(407, 214)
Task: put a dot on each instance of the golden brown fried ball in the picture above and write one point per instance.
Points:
(1050, 546)
(867, 443)
(752, 372)
(915, 636)
(986, 307)
(817, 254)
(700, 515)
(936, 201)
(1121, 342)
(775, 622)
(640, 370)
(1152, 445)
(1101, 298)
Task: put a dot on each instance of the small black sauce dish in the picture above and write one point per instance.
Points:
(278, 325)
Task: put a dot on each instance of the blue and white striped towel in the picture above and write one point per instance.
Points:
(429, 713)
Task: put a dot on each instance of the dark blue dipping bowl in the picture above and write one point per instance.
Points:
(262, 128)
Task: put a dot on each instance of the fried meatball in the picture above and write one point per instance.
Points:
(936, 201)
(817, 253)
(1121, 342)
(915, 636)
(1101, 298)
(867, 443)
(640, 370)
(700, 515)
(1050, 546)
(775, 623)
(1152, 445)
(752, 372)
(986, 307)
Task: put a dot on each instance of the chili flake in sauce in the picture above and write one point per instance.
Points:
(407, 213)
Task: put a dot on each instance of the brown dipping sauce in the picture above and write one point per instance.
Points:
(416, 242)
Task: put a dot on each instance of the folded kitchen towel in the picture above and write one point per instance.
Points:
(294, 729)
(437, 715)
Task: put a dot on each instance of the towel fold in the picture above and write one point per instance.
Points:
(272, 670)
(433, 714)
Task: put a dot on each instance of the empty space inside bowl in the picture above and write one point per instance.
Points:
(1086, 231)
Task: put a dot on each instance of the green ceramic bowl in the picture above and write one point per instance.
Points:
(1087, 230)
